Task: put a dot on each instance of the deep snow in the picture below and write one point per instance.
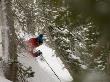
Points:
(55, 62)
(41, 68)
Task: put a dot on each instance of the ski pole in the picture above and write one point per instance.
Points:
(51, 69)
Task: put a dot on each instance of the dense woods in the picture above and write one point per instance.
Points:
(78, 31)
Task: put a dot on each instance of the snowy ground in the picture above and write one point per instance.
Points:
(2, 79)
(55, 62)
(41, 68)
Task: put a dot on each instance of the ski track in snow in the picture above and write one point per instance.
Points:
(55, 62)
(42, 71)
(40, 74)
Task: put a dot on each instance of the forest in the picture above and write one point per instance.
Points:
(77, 30)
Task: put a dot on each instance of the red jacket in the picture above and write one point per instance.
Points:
(33, 42)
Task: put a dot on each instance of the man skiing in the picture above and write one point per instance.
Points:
(32, 43)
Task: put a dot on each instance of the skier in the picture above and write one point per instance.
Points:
(32, 43)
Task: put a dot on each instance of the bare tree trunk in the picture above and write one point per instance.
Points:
(9, 41)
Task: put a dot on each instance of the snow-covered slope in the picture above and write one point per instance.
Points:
(42, 71)
(55, 62)
(40, 74)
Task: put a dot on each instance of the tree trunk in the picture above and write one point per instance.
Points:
(9, 41)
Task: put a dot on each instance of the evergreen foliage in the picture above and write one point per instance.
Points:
(78, 30)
